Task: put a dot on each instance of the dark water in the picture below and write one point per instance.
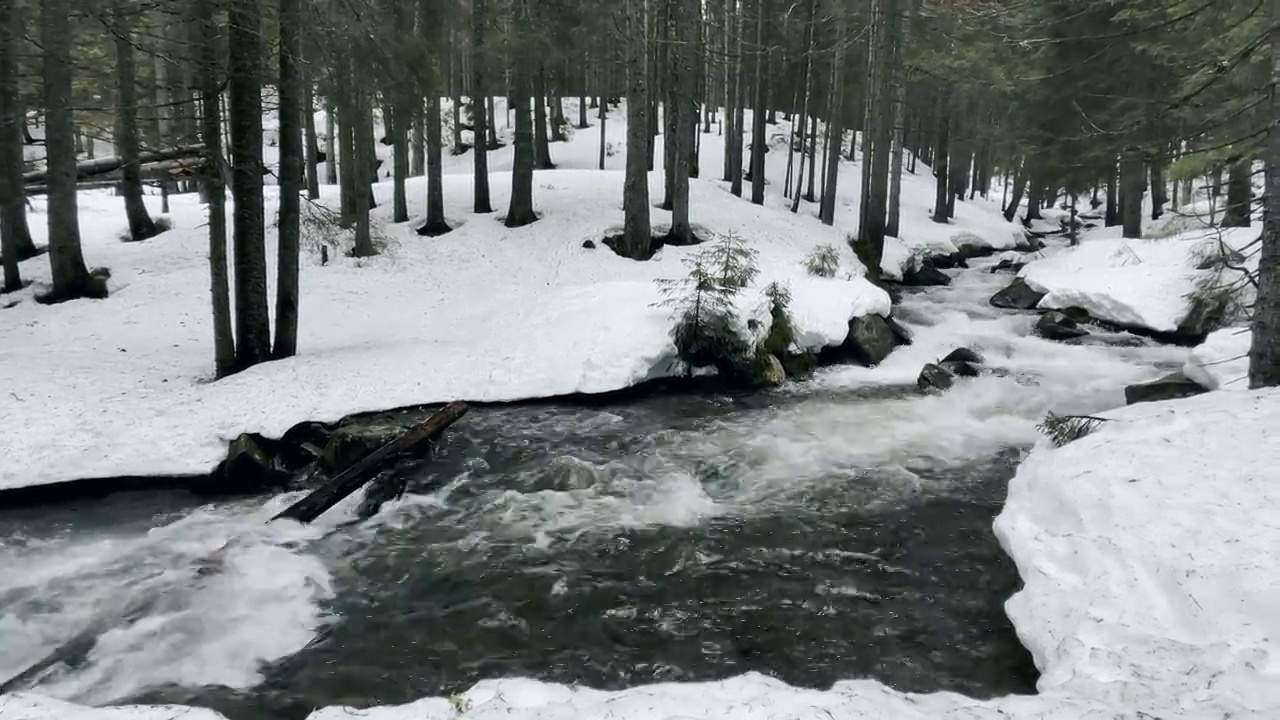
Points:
(662, 540)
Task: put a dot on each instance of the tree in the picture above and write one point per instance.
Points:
(207, 33)
(636, 233)
(1264, 350)
(13, 236)
(433, 32)
(685, 110)
(71, 278)
(520, 212)
(479, 119)
(759, 143)
(141, 226)
(291, 178)
(244, 105)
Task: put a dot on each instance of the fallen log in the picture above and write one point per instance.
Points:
(348, 481)
(90, 169)
(305, 510)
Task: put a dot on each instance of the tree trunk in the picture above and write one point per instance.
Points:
(731, 68)
(140, 225)
(636, 234)
(739, 114)
(330, 143)
(871, 237)
(347, 118)
(253, 324)
(1131, 178)
(942, 157)
(482, 204)
(520, 212)
(71, 279)
(686, 119)
(455, 84)
(362, 133)
(542, 146)
(433, 138)
(1035, 196)
(1159, 194)
(418, 164)
(1019, 186)
(1113, 197)
(399, 160)
(208, 51)
(1239, 194)
(15, 241)
(835, 132)
(604, 115)
(901, 30)
(556, 116)
(1264, 350)
(313, 145)
(806, 106)
(759, 141)
(291, 177)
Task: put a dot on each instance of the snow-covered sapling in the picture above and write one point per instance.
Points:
(1063, 429)
(824, 261)
(708, 331)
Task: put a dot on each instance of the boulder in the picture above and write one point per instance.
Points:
(962, 369)
(588, 245)
(799, 365)
(1169, 387)
(935, 377)
(769, 372)
(1018, 296)
(902, 334)
(964, 355)
(250, 467)
(357, 438)
(1008, 265)
(302, 445)
(946, 261)
(1055, 325)
(925, 276)
(870, 340)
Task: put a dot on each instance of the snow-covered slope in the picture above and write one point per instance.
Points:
(1141, 283)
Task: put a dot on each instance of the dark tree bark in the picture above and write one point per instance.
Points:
(1239, 194)
(363, 133)
(253, 324)
(331, 142)
(604, 117)
(901, 34)
(941, 171)
(686, 119)
(1019, 187)
(1132, 180)
(291, 176)
(520, 211)
(542, 157)
(739, 114)
(309, 126)
(71, 278)
(557, 119)
(759, 142)
(15, 241)
(347, 119)
(479, 91)
(436, 224)
(667, 68)
(418, 163)
(806, 106)
(874, 213)
(224, 349)
(835, 131)
(141, 226)
(399, 161)
(1113, 197)
(455, 93)
(1264, 350)
(1159, 194)
(637, 233)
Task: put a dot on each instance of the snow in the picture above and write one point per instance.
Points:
(1147, 551)
(1222, 360)
(1141, 283)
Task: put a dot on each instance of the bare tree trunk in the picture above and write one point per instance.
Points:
(253, 324)
(399, 131)
(685, 124)
(418, 164)
(140, 225)
(224, 348)
(479, 90)
(309, 126)
(520, 211)
(362, 134)
(1239, 194)
(347, 119)
(1019, 185)
(901, 30)
(14, 238)
(433, 138)
(71, 279)
(604, 116)
(1264, 350)
(1131, 179)
(330, 142)
(1113, 197)
(805, 107)
(739, 114)
(542, 146)
(871, 237)
(291, 176)
(636, 234)
(941, 168)
(759, 142)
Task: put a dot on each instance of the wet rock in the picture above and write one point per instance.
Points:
(962, 369)
(1008, 265)
(972, 245)
(1018, 296)
(1169, 387)
(947, 261)
(357, 438)
(250, 467)
(964, 355)
(935, 377)
(302, 445)
(799, 365)
(588, 245)
(902, 334)
(870, 340)
(1055, 325)
(769, 372)
(925, 276)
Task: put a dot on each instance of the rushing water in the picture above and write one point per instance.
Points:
(837, 529)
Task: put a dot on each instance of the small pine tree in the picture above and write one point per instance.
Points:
(708, 332)
(1064, 429)
(781, 332)
(824, 261)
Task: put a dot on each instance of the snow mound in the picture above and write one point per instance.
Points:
(1148, 551)
(35, 707)
(904, 254)
(1221, 362)
(1135, 283)
(987, 242)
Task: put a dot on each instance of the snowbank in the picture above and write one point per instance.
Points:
(1135, 283)
(1221, 362)
(35, 707)
(117, 387)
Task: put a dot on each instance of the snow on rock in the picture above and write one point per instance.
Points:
(1133, 282)
(904, 254)
(119, 387)
(1221, 362)
(985, 242)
